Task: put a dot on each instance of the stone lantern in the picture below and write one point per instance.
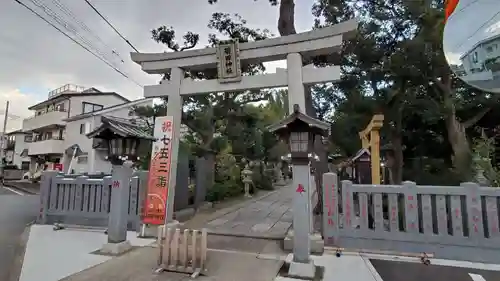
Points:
(122, 138)
(246, 175)
(299, 131)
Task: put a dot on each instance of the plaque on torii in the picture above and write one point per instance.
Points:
(228, 61)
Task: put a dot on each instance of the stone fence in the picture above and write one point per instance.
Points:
(452, 222)
(86, 201)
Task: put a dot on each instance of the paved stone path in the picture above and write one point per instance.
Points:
(268, 217)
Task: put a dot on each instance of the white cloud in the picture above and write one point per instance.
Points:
(452, 58)
(36, 56)
(18, 108)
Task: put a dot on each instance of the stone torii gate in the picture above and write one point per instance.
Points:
(228, 58)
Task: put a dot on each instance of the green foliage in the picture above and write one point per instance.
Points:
(483, 151)
(227, 181)
(395, 66)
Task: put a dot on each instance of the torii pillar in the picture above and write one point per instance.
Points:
(370, 139)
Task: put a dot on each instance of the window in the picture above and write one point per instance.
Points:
(25, 165)
(60, 107)
(90, 107)
(474, 57)
(489, 49)
(84, 128)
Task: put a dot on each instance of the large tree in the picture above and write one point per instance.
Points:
(397, 59)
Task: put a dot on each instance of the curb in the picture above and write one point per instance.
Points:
(25, 190)
(243, 235)
(17, 265)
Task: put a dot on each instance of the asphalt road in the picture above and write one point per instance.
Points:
(16, 212)
(409, 271)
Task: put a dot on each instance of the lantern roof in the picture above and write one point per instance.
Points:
(314, 124)
(126, 128)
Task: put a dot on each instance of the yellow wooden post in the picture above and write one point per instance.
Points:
(375, 156)
(373, 144)
(365, 143)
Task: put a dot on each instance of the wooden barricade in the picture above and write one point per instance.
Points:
(182, 251)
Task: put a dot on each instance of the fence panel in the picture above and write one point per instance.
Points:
(85, 201)
(459, 222)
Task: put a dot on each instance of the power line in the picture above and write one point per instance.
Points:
(117, 32)
(68, 12)
(462, 9)
(75, 41)
(69, 27)
(478, 29)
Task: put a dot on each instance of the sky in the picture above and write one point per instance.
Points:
(472, 21)
(35, 58)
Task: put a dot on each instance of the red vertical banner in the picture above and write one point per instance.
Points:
(159, 173)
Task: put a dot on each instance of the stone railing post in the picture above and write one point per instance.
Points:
(118, 213)
(45, 187)
(330, 208)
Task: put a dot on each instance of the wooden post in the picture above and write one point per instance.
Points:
(373, 143)
(375, 156)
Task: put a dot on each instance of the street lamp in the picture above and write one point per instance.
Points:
(299, 131)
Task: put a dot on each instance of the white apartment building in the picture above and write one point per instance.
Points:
(482, 60)
(16, 149)
(59, 125)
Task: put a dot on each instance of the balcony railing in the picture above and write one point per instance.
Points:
(39, 138)
(40, 146)
(66, 88)
(41, 113)
(50, 118)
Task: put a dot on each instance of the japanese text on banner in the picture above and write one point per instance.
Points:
(159, 173)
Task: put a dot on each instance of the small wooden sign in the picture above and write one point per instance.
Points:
(228, 62)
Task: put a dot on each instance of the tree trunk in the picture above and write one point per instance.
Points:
(457, 137)
(286, 21)
(396, 168)
(397, 142)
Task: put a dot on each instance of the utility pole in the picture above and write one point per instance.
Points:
(2, 145)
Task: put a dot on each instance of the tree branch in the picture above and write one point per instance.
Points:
(185, 120)
(472, 121)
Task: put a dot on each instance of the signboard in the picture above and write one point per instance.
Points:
(159, 172)
(58, 167)
(228, 62)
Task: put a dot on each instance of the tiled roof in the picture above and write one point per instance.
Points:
(122, 127)
(297, 115)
